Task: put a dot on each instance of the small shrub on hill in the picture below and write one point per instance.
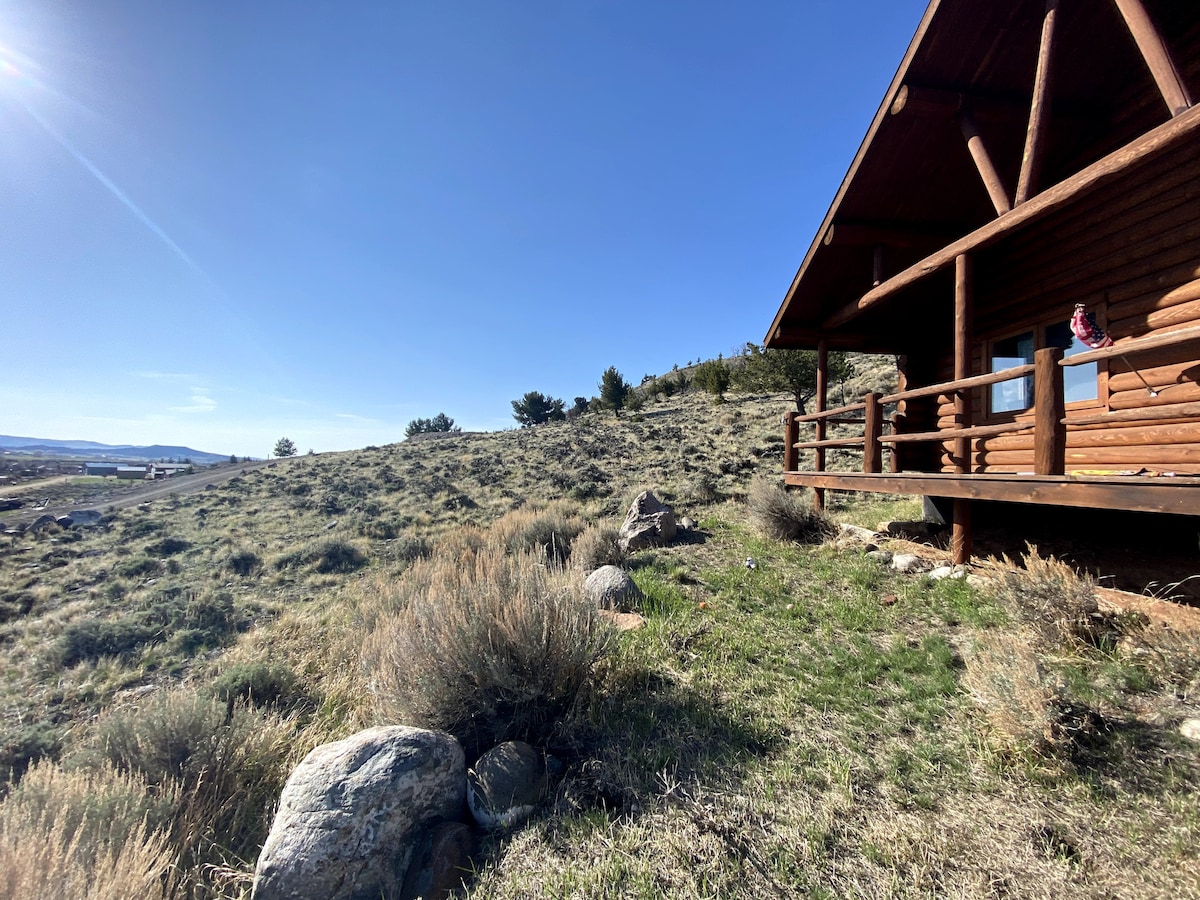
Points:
(138, 567)
(167, 547)
(325, 555)
(226, 768)
(244, 562)
(596, 546)
(258, 684)
(1057, 601)
(548, 529)
(493, 651)
(786, 515)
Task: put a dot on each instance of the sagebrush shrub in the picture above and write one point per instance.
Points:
(786, 515)
(1052, 597)
(1004, 678)
(549, 529)
(493, 650)
(596, 546)
(226, 766)
(244, 562)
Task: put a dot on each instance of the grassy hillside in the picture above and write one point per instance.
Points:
(816, 725)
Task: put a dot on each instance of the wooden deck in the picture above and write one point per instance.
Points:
(1160, 494)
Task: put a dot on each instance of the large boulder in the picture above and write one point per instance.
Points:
(507, 784)
(43, 521)
(649, 523)
(353, 811)
(610, 587)
(85, 518)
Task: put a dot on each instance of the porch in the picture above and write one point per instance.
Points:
(1051, 481)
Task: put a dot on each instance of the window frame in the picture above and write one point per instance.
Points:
(1038, 327)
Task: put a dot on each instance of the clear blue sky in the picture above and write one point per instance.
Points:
(224, 221)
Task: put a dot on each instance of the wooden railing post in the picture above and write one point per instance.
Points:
(1049, 432)
(873, 429)
(791, 434)
(822, 402)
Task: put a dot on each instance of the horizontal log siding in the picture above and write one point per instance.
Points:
(1134, 257)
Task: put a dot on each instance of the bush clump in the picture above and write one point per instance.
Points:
(596, 546)
(490, 649)
(549, 530)
(786, 515)
(167, 547)
(258, 684)
(1053, 598)
(244, 562)
(329, 555)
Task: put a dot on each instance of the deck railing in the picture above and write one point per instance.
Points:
(1049, 422)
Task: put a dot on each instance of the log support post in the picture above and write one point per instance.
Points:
(791, 434)
(960, 537)
(1049, 432)
(872, 448)
(877, 266)
(1154, 51)
(983, 162)
(1039, 111)
(822, 402)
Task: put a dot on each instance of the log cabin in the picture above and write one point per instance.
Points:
(1028, 156)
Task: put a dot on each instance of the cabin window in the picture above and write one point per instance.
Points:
(1016, 393)
(1080, 383)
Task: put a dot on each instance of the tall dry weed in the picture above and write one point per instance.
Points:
(489, 649)
(99, 834)
(1004, 678)
(550, 529)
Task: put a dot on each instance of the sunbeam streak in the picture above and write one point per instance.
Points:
(10, 70)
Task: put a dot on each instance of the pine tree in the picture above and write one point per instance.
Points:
(535, 408)
(613, 390)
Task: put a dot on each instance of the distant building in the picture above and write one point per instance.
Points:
(131, 473)
(100, 468)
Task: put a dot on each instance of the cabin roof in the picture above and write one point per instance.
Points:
(913, 187)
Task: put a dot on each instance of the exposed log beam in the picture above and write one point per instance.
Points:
(1166, 136)
(964, 302)
(933, 102)
(983, 162)
(861, 234)
(877, 267)
(1039, 110)
(945, 103)
(810, 337)
(1158, 58)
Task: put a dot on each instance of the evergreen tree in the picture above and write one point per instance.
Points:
(439, 423)
(794, 371)
(284, 447)
(535, 408)
(613, 390)
(713, 376)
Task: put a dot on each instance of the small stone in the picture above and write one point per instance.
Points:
(687, 523)
(623, 621)
(907, 562)
(887, 599)
(610, 587)
(883, 557)
(506, 785)
(1190, 729)
(948, 572)
(857, 533)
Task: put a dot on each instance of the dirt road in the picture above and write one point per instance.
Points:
(131, 494)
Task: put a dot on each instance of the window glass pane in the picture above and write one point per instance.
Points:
(1079, 382)
(1016, 393)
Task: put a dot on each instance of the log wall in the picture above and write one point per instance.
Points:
(1133, 256)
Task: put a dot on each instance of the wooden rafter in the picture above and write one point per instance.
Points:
(1154, 51)
(1039, 110)
(983, 162)
(1170, 134)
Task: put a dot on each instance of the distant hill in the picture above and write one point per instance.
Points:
(93, 450)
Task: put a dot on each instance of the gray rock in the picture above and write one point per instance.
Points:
(912, 531)
(1190, 729)
(883, 557)
(687, 523)
(506, 785)
(609, 587)
(857, 533)
(908, 563)
(41, 522)
(948, 572)
(352, 812)
(649, 523)
(439, 863)
(64, 521)
(85, 518)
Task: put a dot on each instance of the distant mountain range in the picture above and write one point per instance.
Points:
(92, 450)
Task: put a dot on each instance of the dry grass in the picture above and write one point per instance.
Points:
(546, 528)
(66, 835)
(1053, 598)
(488, 650)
